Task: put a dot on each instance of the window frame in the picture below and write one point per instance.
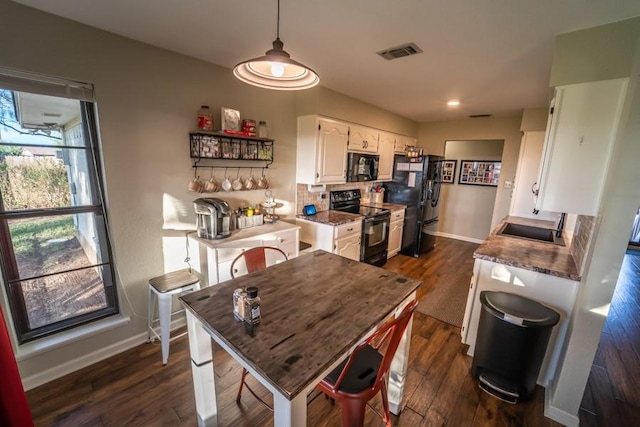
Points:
(8, 265)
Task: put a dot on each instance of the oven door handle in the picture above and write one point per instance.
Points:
(377, 220)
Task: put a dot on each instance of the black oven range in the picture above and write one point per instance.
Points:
(375, 227)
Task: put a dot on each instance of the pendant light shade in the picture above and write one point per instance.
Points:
(276, 70)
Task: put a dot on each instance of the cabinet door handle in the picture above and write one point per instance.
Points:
(533, 189)
(280, 239)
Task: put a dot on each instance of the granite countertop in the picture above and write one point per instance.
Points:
(332, 217)
(544, 258)
(391, 206)
(245, 233)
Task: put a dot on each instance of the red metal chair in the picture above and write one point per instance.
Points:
(255, 259)
(357, 380)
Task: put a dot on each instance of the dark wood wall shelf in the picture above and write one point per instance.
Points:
(218, 149)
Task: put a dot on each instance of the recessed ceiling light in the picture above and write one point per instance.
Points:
(453, 103)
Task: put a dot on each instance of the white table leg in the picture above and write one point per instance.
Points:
(289, 413)
(398, 371)
(202, 371)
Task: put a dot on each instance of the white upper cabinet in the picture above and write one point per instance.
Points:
(322, 151)
(402, 142)
(579, 139)
(385, 149)
(522, 196)
(363, 139)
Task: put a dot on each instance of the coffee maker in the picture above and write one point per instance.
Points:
(213, 218)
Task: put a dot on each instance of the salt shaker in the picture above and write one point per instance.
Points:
(239, 296)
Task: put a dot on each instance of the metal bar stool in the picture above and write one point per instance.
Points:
(163, 288)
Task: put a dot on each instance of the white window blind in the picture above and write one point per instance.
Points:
(37, 83)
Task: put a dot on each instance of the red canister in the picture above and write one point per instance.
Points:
(249, 127)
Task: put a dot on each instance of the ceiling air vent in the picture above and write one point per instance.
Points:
(475, 116)
(400, 51)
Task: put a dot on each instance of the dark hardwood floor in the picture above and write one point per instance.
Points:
(612, 396)
(134, 389)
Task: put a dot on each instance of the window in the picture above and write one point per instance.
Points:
(54, 245)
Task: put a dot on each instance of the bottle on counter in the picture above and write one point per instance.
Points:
(239, 296)
(252, 306)
(205, 118)
(263, 130)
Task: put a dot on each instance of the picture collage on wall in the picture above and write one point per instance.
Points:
(479, 172)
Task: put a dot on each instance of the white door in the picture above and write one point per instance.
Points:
(395, 238)
(523, 199)
(349, 247)
(332, 156)
(385, 148)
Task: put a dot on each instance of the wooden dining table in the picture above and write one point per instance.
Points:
(314, 310)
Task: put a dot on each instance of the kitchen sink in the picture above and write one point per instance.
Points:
(529, 232)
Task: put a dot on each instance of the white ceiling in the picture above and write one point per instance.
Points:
(493, 55)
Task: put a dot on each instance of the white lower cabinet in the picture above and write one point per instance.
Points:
(556, 293)
(343, 240)
(396, 228)
(213, 258)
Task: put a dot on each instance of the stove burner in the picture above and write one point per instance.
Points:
(349, 201)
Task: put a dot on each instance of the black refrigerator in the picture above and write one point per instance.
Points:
(416, 184)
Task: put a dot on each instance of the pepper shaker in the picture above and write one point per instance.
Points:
(252, 306)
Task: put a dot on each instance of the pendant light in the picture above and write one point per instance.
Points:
(276, 70)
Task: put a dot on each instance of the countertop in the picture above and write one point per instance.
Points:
(544, 258)
(245, 233)
(332, 217)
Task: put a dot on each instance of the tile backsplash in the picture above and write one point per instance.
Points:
(582, 234)
(305, 197)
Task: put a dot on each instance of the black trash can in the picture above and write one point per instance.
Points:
(512, 339)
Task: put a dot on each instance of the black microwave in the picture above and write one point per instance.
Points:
(362, 167)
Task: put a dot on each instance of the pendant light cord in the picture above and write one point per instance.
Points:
(278, 22)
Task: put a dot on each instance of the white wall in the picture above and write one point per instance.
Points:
(432, 137)
(147, 100)
(617, 210)
(466, 210)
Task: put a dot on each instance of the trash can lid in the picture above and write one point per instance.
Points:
(518, 310)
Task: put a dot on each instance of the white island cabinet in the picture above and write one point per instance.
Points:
(213, 258)
(343, 239)
(557, 293)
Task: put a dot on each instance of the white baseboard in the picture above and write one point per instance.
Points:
(557, 414)
(89, 359)
(455, 236)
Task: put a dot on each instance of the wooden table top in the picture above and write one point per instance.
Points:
(314, 308)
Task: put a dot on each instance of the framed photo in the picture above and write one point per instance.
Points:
(479, 172)
(449, 171)
(230, 119)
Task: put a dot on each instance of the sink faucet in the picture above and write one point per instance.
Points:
(560, 224)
